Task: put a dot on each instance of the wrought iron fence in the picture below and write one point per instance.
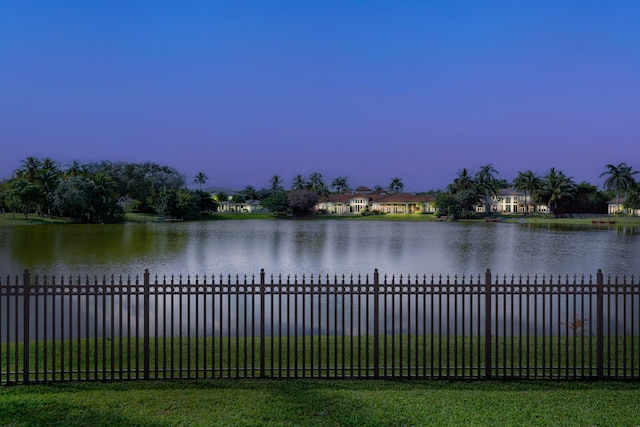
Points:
(96, 328)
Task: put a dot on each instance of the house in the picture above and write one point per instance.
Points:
(617, 206)
(363, 199)
(512, 201)
(249, 206)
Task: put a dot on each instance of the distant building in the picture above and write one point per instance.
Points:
(363, 199)
(249, 206)
(512, 201)
(615, 207)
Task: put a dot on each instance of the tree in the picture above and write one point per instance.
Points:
(85, 200)
(317, 185)
(277, 203)
(276, 184)
(556, 187)
(340, 184)
(23, 196)
(527, 181)
(448, 205)
(587, 199)
(42, 173)
(619, 178)
(29, 170)
(205, 202)
(487, 185)
(138, 181)
(633, 199)
(200, 179)
(182, 203)
(302, 202)
(299, 183)
(396, 186)
(250, 193)
(48, 179)
(463, 181)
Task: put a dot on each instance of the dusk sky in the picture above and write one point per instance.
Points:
(243, 90)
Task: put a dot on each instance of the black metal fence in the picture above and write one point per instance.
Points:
(372, 326)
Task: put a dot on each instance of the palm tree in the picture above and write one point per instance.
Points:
(396, 185)
(317, 185)
(340, 184)
(76, 169)
(487, 185)
(299, 183)
(464, 181)
(527, 181)
(200, 179)
(250, 193)
(619, 178)
(378, 189)
(276, 184)
(30, 169)
(48, 179)
(555, 187)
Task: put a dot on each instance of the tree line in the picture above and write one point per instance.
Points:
(101, 192)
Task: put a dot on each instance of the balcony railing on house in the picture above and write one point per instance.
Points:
(94, 328)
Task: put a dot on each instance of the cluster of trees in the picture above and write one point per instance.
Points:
(554, 189)
(98, 192)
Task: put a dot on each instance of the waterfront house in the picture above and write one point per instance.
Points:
(613, 207)
(364, 199)
(512, 201)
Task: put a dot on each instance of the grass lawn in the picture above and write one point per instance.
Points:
(6, 218)
(322, 402)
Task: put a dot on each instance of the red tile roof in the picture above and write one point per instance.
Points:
(379, 198)
(404, 198)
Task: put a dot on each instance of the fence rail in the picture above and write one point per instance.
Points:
(98, 328)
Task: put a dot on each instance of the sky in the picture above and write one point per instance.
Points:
(243, 90)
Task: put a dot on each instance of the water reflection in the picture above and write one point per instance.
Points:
(319, 246)
(296, 313)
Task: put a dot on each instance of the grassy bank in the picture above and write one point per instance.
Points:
(8, 219)
(320, 402)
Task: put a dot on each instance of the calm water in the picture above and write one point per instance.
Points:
(307, 246)
(318, 246)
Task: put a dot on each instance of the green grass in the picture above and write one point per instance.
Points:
(415, 356)
(141, 217)
(322, 403)
(6, 218)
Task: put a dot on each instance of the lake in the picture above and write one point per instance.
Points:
(319, 246)
(308, 247)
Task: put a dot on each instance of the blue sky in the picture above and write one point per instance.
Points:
(243, 90)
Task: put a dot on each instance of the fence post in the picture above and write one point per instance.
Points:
(376, 324)
(600, 324)
(26, 316)
(262, 321)
(487, 323)
(146, 309)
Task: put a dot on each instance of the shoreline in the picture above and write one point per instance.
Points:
(6, 219)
